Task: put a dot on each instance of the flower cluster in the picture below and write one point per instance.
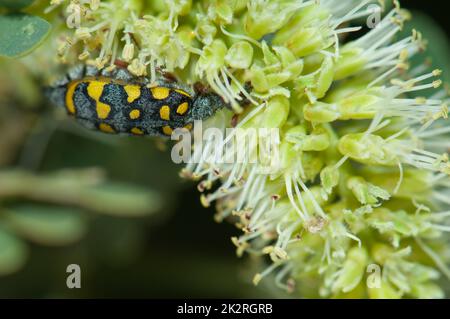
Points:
(363, 179)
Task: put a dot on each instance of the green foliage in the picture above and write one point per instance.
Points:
(47, 225)
(84, 189)
(75, 193)
(15, 4)
(21, 33)
(13, 252)
(438, 47)
(123, 200)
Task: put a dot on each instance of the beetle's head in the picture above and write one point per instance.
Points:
(205, 105)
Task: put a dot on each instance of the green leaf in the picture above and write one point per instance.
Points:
(47, 225)
(15, 4)
(122, 200)
(13, 253)
(21, 33)
(82, 189)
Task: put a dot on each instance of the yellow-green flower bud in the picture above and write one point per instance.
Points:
(368, 149)
(206, 31)
(366, 193)
(318, 140)
(352, 271)
(350, 62)
(264, 17)
(427, 291)
(213, 57)
(240, 55)
(221, 13)
(276, 112)
(325, 78)
(305, 41)
(181, 7)
(329, 178)
(385, 291)
(312, 164)
(321, 112)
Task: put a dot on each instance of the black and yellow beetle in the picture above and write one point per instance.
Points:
(118, 102)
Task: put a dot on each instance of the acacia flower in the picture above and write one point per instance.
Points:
(357, 203)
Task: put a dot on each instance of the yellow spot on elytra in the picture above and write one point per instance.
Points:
(69, 96)
(183, 92)
(135, 114)
(167, 130)
(164, 112)
(188, 126)
(133, 92)
(160, 93)
(103, 110)
(137, 131)
(182, 108)
(95, 90)
(105, 128)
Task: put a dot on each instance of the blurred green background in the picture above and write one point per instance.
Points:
(115, 205)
